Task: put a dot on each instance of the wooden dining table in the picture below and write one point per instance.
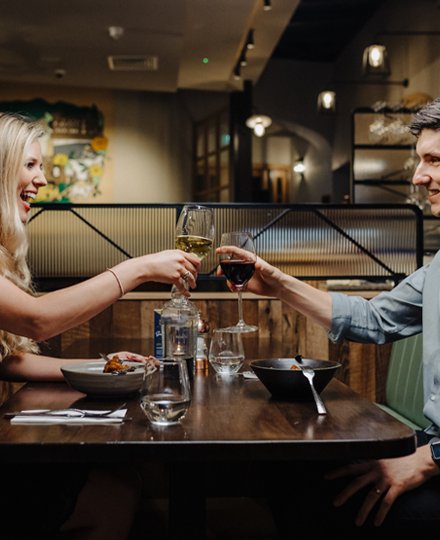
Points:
(231, 419)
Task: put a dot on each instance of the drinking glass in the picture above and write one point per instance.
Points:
(238, 266)
(226, 353)
(165, 392)
(195, 230)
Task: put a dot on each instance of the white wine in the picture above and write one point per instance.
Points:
(198, 245)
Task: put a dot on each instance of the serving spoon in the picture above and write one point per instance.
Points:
(309, 374)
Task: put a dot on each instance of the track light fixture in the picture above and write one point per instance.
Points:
(267, 5)
(237, 72)
(250, 43)
(243, 60)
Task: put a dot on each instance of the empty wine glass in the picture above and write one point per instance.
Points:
(238, 265)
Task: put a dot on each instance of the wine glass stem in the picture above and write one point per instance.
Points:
(240, 309)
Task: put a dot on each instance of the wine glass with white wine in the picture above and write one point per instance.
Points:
(195, 230)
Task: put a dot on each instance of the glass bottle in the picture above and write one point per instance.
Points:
(179, 322)
(202, 346)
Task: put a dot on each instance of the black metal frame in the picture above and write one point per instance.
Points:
(320, 211)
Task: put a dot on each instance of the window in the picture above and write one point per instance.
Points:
(212, 159)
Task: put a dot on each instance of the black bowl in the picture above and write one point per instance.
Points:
(284, 382)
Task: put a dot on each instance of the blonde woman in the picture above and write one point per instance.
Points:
(79, 503)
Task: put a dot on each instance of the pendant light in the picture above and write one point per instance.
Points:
(259, 123)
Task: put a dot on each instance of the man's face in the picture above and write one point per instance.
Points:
(427, 172)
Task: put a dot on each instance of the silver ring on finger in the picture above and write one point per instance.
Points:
(186, 275)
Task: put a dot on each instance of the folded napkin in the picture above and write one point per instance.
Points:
(69, 417)
(249, 375)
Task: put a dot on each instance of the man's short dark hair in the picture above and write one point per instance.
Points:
(428, 117)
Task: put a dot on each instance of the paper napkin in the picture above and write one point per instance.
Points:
(116, 417)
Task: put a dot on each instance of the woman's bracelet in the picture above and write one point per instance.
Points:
(118, 280)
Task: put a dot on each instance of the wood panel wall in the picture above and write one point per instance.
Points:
(363, 366)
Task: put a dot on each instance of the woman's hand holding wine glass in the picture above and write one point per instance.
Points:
(195, 230)
(237, 261)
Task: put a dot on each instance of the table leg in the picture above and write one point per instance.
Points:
(187, 501)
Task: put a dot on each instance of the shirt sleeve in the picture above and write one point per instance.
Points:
(389, 316)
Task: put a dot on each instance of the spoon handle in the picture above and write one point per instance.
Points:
(319, 403)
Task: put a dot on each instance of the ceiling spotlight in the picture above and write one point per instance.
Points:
(259, 123)
(250, 43)
(243, 60)
(115, 32)
(375, 60)
(237, 72)
(267, 5)
(327, 101)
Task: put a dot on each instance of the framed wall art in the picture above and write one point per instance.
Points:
(74, 148)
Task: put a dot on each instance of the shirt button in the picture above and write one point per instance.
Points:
(433, 397)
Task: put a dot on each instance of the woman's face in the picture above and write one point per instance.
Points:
(31, 179)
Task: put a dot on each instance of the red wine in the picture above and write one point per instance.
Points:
(237, 271)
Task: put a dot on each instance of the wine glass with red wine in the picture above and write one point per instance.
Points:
(238, 265)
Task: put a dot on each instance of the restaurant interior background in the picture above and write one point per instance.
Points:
(57, 51)
(151, 150)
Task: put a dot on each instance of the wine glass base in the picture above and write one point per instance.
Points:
(241, 329)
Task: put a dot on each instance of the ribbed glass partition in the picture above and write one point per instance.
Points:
(308, 241)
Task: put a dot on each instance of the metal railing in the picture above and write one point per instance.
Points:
(309, 241)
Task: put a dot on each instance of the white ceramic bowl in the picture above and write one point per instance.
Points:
(89, 378)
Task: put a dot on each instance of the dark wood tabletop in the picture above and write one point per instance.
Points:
(229, 419)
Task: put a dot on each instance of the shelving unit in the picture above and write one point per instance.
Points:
(383, 156)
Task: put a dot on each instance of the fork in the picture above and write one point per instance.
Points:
(68, 413)
(309, 374)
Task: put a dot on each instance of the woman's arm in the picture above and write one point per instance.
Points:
(34, 367)
(44, 316)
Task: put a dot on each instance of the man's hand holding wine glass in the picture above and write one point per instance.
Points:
(237, 261)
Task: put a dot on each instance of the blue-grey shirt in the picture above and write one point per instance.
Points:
(409, 308)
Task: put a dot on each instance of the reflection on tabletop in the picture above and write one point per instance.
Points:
(61, 396)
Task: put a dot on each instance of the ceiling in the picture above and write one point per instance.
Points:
(320, 29)
(68, 43)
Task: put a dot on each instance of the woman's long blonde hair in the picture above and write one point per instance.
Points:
(17, 133)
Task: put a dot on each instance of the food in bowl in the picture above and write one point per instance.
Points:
(287, 382)
(115, 365)
(89, 378)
